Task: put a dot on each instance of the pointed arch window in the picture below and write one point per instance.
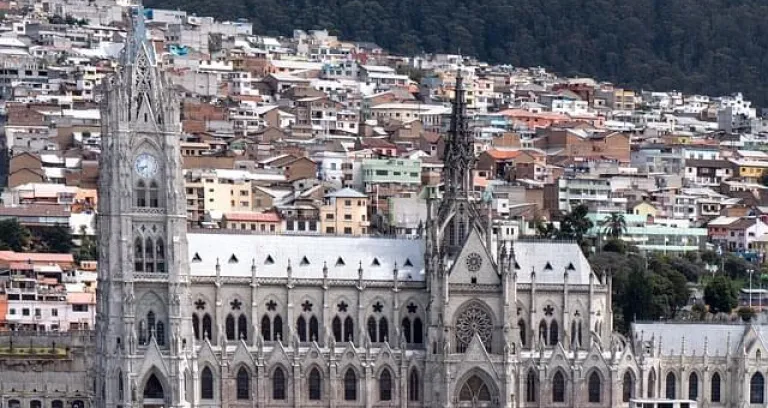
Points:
(142, 333)
(475, 389)
(671, 385)
(418, 331)
(350, 385)
(229, 327)
(521, 328)
(196, 325)
(554, 333)
(594, 388)
(278, 384)
(140, 194)
(385, 386)
(206, 384)
(543, 332)
(652, 384)
(153, 389)
(693, 386)
(160, 255)
(372, 328)
(315, 385)
(266, 328)
(151, 323)
(349, 329)
(160, 333)
(558, 387)
(383, 330)
(531, 391)
(154, 194)
(120, 388)
(138, 255)
(242, 327)
(243, 384)
(301, 328)
(628, 387)
(406, 329)
(413, 386)
(277, 328)
(336, 327)
(715, 392)
(314, 329)
(207, 326)
(149, 255)
(757, 389)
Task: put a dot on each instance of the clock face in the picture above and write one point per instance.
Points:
(474, 262)
(145, 165)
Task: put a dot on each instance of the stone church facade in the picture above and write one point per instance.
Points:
(211, 319)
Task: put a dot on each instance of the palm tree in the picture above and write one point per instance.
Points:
(615, 225)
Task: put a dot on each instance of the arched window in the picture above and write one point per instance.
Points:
(154, 201)
(207, 326)
(543, 332)
(385, 386)
(671, 390)
(715, 394)
(229, 327)
(628, 387)
(406, 329)
(141, 194)
(372, 328)
(149, 255)
(757, 389)
(521, 328)
(530, 387)
(35, 404)
(475, 389)
(336, 325)
(350, 385)
(206, 384)
(349, 329)
(301, 328)
(151, 324)
(277, 328)
(196, 325)
(315, 385)
(594, 388)
(383, 330)
(413, 386)
(558, 387)
(120, 388)
(160, 333)
(56, 404)
(242, 327)
(418, 331)
(266, 328)
(14, 404)
(554, 333)
(153, 389)
(693, 387)
(314, 329)
(652, 384)
(278, 384)
(243, 384)
(160, 255)
(138, 255)
(142, 333)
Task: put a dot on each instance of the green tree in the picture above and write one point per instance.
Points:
(57, 239)
(88, 250)
(14, 236)
(736, 267)
(721, 295)
(615, 225)
(575, 224)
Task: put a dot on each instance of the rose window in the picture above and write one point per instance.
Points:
(473, 320)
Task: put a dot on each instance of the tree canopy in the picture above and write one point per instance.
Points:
(720, 295)
(695, 46)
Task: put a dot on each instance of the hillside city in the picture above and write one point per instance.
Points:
(316, 135)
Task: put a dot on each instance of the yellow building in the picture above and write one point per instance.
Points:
(345, 212)
(644, 209)
(210, 191)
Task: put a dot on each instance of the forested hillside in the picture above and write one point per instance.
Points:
(708, 46)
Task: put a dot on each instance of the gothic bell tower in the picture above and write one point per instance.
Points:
(144, 338)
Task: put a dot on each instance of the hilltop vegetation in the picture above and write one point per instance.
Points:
(697, 46)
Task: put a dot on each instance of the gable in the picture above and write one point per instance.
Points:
(474, 264)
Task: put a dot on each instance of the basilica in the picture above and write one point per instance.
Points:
(457, 319)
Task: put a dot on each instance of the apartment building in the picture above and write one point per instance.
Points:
(345, 212)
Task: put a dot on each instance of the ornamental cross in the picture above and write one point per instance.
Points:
(200, 304)
(549, 310)
(306, 306)
(342, 306)
(271, 305)
(411, 308)
(378, 307)
(236, 304)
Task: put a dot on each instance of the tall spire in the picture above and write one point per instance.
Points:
(459, 155)
(136, 43)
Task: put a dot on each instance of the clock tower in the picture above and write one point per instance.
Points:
(143, 336)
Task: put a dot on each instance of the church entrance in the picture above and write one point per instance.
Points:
(154, 395)
(475, 393)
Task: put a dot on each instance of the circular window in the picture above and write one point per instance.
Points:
(473, 320)
(474, 262)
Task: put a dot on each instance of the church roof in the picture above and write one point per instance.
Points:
(550, 259)
(307, 254)
(671, 336)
